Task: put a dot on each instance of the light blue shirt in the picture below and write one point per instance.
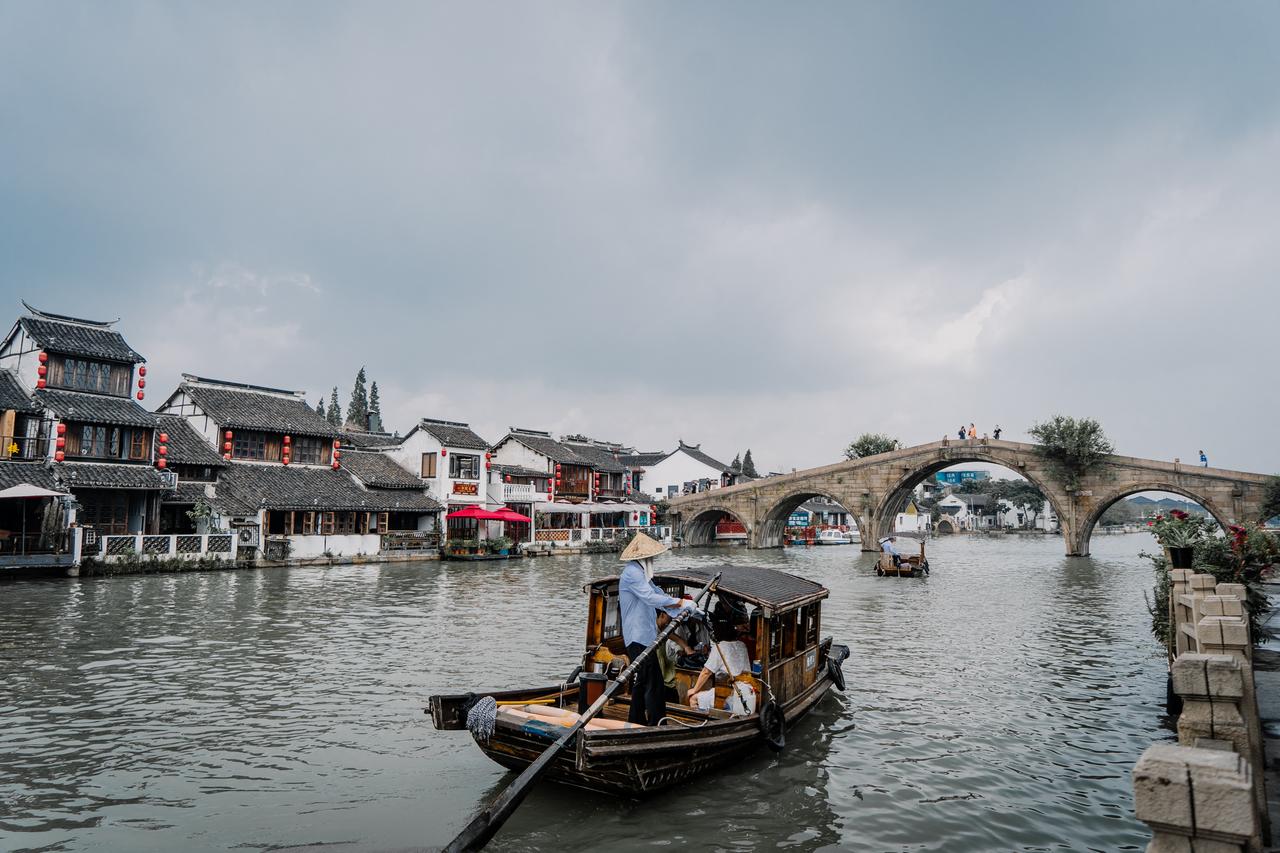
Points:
(887, 547)
(638, 598)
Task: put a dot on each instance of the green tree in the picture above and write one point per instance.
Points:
(320, 408)
(358, 408)
(1071, 447)
(334, 414)
(749, 465)
(375, 405)
(1271, 499)
(736, 464)
(972, 487)
(871, 444)
(1020, 494)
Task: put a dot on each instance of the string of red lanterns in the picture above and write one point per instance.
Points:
(142, 382)
(42, 371)
(162, 450)
(226, 445)
(337, 454)
(284, 452)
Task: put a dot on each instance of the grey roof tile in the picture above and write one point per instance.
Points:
(369, 439)
(94, 408)
(36, 473)
(108, 475)
(186, 446)
(244, 408)
(245, 488)
(453, 434)
(83, 338)
(598, 457)
(695, 451)
(544, 444)
(13, 395)
(377, 470)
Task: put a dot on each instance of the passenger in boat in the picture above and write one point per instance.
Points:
(638, 597)
(887, 546)
(675, 646)
(728, 657)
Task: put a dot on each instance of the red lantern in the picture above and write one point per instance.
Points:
(226, 456)
(141, 395)
(59, 456)
(335, 464)
(557, 467)
(444, 452)
(142, 383)
(40, 383)
(635, 516)
(142, 371)
(42, 371)
(336, 444)
(162, 450)
(285, 460)
(161, 464)
(60, 443)
(337, 454)
(507, 478)
(164, 438)
(227, 435)
(44, 356)
(287, 441)
(62, 429)
(488, 456)
(226, 446)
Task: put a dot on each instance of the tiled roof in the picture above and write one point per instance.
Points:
(189, 493)
(94, 408)
(244, 489)
(107, 475)
(92, 340)
(543, 443)
(370, 439)
(599, 458)
(453, 434)
(378, 470)
(643, 460)
(694, 451)
(35, 473)
(243, 408)
(186, 446)
(13, 396)
(519, 471)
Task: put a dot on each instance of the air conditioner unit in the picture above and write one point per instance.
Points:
(170, 478)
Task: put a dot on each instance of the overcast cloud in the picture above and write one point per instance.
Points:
(736, 224)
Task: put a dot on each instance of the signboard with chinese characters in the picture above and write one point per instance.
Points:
(466, 488)
(798, 519)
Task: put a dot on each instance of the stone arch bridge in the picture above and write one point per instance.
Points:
(873, 489)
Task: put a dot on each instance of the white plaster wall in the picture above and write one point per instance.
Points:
(676, 470)
(22, 363)
(512, 452)
(408, 455)
(303, 547)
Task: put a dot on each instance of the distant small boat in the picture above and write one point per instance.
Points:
(832, 536)
(855, 538)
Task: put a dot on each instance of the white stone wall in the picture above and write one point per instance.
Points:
(304, 547)
(676, 470)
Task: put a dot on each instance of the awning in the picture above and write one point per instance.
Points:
(476, 512)
(574, 509)
(508, 514)
(26, 490)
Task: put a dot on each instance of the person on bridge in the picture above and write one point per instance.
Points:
(638, 599)
(995, 433)
(960, 432)
(973, 432)
(1204, 460)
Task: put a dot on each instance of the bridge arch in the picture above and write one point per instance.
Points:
(886, 509)
(1103, 504)
(773, 524)
(701, 528)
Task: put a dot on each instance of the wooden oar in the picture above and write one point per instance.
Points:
(477, 833)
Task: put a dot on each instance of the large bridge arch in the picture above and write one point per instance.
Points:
(700, 529)
(896, 495)
(1101, 505)
(773, 523)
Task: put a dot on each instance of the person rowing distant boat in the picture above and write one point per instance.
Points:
(638, 599)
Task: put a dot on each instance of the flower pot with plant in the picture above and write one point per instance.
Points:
(1179, 532)
(501, 545)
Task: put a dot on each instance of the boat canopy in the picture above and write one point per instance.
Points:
(769, 588)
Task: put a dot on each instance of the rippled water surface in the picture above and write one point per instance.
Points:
(997, 705)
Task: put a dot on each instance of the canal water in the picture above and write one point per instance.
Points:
(997, 705)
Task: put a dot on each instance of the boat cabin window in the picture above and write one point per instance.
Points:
(612, 616)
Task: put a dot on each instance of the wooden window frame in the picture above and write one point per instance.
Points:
(326, 524)
(429, 466)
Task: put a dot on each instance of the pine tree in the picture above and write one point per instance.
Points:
(375, 409)
(334, 414)
(749, 465)
(358, 408)
(736, 465)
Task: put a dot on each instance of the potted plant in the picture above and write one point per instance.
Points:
(501, 545)
(1179, 532)
(460, 547)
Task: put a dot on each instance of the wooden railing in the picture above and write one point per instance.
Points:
(410, 540)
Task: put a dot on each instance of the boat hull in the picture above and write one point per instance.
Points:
(625, 762)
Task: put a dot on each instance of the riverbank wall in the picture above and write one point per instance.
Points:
(1207, 793)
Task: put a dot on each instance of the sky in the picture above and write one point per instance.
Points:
(740, 225)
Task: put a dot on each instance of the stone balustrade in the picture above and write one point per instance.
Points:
(1206, 794)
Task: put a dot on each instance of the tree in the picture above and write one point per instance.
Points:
(375, 409)
(334, 414)
(1271, 499)
(320, 408)
(973, 487)
(1020, 493)
(749, 465)
(358, 408)
(1071, 447)
(736, 465)
(871, 444)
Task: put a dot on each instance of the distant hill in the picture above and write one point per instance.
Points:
(1146, 504)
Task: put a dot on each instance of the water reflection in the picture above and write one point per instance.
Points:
(997, 704)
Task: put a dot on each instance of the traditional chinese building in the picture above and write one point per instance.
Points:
(454, 465)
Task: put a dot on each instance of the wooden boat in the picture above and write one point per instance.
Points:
(797, 668)
(911, 566)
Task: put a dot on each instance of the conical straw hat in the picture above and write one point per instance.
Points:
(642, 547)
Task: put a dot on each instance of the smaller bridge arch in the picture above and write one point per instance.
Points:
(773, 523)
(1101, 505)
(700, 529)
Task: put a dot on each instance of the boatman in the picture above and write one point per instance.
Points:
(887, 547)
(639, 599)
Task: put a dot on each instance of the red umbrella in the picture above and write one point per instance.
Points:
(474, 511)
(508, 514)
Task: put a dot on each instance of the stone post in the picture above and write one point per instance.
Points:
(1212, 688)
(1179, 585)
(1194, 799)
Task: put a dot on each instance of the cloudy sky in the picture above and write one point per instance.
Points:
(740, 225)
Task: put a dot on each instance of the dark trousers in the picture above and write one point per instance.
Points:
(648, 703)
